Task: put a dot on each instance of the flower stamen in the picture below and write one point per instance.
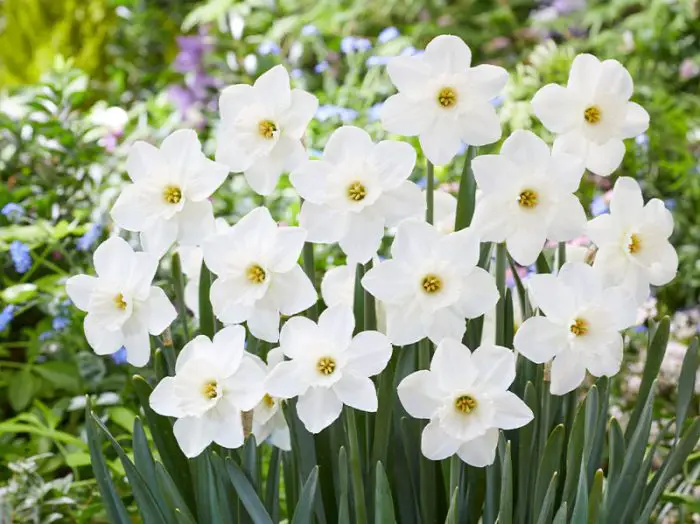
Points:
(528, 198)
(465, 404)
(267, 129)
(592, 114)
(447, 97)
(120, 302)
(579, 327)
(256, 274)
(357, 191)
(268, 400)
(431, 284)
(172, 194)
(210, 389)
(326, 366)
(635, 244)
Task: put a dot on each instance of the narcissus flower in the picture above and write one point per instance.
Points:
(528, 196)
(215, 381)
(357, 189)
(338, 286)
(444, 100)
(633, 246)
(328, 367)
(122, 306)
(261, 128)
(444, 211)
(581, 329)
(269, 423)
(259, 277)
(431, 284)
(168, 199)
(593, 113)
(465, 396)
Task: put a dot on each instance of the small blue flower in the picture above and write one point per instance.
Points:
(640, 329)
(46, 335)
(599, 206)
(268, 48)
(13, 212)
(670, 203)
(497, 101)
(93, 234)
(350, 44)
(296, 73)
(328, 111)
(19, 252)
(60, 323)
(6, 316)
(409, 51)
(309, 30)
(374, 112)
(321, 66)
(119, 357)
(388, 34)
(377, 60)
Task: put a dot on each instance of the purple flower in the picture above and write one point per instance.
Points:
(374, 112)
(6, 316)
(377, 60)
(268, 48)
(296, 73)
(599, 206)
(92, 235)
(328, 111)
(309, 30)
(388, 34)
(13, 212)
(46, 335)
(19, 252)
(321, 66)
(351, 44)
(59, 323)
(192, 51)
(119, 357)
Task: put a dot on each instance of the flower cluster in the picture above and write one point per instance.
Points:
(434, 282)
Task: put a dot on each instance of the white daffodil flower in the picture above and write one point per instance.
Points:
(338, 286)
(214, 382)
(444, 211)
(259, 277)
(582, 326)
(328, 367)
(168, 199)
(444, 100)
(261, 128)
(632, 240)
(357, 189)
(528, 196)
(431, 284)
(122, 306)
(269, 424)
(465, 396)
(592, 115)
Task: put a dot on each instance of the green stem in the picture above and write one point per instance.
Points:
(430, 192)
(501, 286)
(359, 299)
(370, 310)
(180, 293)
(455, 481)
(427, 467)
(358, 487)
(561, 254)
(466, 198)
(310, 270)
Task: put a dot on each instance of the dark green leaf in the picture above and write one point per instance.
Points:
(303, 513)
(545, 512)
(616, 446)
(272, 485)
(550, 462)
(343, 507)
(466, 197)
(686, 385)
(596, 497)
(580, 513)
(383, 502)
(560, 517)
(574, 452)
(526, 448)
(207, 324)
(172, 495)
(21, 389)
(505, 510)
(246, 493)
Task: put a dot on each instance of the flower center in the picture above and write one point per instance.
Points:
(268, 400)
(256, 274)
(267, 129)
(431, 284)
(528, 198)
(326, 366)
(579, 327)
(465, 404)
(447, 97)
(357, 191)
(635, 243)
(172, 194)
(209, 389)
(592, 114)
(120, 302)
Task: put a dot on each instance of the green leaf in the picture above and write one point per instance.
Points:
(19, 293)
(545, 513)
(383, 503)
(452, 517)
(655, 355)
(250, 462)
(616, 446)
(205, 489)
(168, 449)
(303, 513)
(172, 495)
(466, 197)
(580, 513)
(61, 374)
(247, 494)
(207, 323)
(272, 485)
(560, 517)
(343, 506)
(143, 459)
(574, 452)
(596, 498)
(526, 448)
(686, 385)
(113, 505)
(505, 510)
(145, 498)
(20, 390)
(542, 266)
(550, 462)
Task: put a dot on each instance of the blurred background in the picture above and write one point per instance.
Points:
(80, 80)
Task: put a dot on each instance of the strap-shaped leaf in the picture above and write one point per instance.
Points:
(466, 197)
(616, 447)
(545, 513)
(550, 463)
(595, 500)
(272, 485)
(452, 516)
(343, 506)
(225, 500)
(303, 513)
(383, 502)
(247, 494)
(505, 509)
(560, 517)
(686, 385)
(172, 495)
(574, 452)
(526, 448)
(207, 323)
(580, 513)
(143, 460)
(116, 512)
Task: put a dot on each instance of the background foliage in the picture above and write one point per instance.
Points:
(65, 64)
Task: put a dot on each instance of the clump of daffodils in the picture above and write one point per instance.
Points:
(431, 289)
